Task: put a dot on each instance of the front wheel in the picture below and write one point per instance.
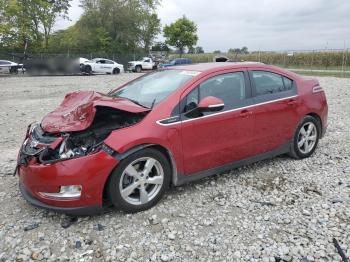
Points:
(14, 70)
(306, 138)
(139, 181)
(138, 69)
(88, 70)
(116, 71)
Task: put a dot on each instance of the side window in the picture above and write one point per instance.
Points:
(192, 100)
(288, 83)
(270, 83)
(230, 88)
(147, 61)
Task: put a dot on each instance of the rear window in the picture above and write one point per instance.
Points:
(270, 83)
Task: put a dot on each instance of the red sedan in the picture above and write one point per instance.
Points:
(167, 128)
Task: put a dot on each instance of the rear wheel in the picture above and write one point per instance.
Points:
(139, 181)
(306, 138)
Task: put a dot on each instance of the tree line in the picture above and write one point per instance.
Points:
(105, 26)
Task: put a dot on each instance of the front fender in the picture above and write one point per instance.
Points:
(125, 142)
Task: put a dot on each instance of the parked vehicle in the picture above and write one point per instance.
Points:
(10, 67)
(52, 66)
(146, 63)
(177, 61)
(83, 60)
(167, 128)
(102, 65)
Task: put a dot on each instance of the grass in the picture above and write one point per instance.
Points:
(301, 63)
(316, 73)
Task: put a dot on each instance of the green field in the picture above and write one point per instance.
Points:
(308, 63)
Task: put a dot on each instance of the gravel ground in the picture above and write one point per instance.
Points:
(275, 210)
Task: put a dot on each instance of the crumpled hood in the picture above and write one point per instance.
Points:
(78, 109)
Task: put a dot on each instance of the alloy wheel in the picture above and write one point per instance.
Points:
(307, 137)
(141, 181)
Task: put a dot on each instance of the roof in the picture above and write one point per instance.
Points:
(216, 65)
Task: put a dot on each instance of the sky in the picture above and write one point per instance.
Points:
(280, 25)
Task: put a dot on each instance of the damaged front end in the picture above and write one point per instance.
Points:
(49, 147)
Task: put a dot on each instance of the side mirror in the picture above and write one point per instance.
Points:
(211, 104)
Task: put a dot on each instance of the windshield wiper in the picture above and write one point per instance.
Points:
(135, 102)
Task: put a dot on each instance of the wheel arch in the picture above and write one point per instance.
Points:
(318, 118)
(168, 154)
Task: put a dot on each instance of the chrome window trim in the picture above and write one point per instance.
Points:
(220, 113)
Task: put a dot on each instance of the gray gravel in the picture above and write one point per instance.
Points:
(276, 209)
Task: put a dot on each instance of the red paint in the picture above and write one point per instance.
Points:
(91, 172)
(209, 101)
(194, 145)
(77, 111)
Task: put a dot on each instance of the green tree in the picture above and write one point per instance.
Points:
(180, 34)
(159, 46)
(130, 24)
(30, 20)
(217, 52)
(191, 50)
(150, 28)
(243, 50)
(199, 50)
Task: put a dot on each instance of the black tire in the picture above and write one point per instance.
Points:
(297, 152)
(14, 70)
(116, 71)
(138, 69)
(88, 69)
(113, 186)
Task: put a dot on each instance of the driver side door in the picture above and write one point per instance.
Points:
(213, 139)
(147, 64)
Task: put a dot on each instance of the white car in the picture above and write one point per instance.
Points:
(102, 65)
(10, 67)
(146, 63)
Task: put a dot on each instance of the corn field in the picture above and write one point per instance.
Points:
(336, 61)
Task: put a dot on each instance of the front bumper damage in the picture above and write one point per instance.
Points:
(40, 181)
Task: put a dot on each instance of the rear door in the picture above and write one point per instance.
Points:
(213, 139)
(275, 110)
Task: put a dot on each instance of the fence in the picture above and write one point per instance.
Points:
(323, 62)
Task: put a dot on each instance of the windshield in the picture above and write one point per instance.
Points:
(151, 89)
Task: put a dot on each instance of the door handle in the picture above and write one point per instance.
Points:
(291, 102)
(245, 113)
